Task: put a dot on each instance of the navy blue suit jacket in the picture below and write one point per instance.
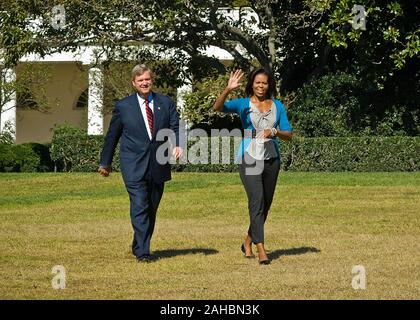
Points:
(137, 151)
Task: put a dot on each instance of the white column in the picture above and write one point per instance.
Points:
(95, 102)
(8, 103)
(180, 97)
(183, 124)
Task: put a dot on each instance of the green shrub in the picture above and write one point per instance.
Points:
(43, 152)
(19, 158)
(343, 104)
(328, 106)
(73, 149)
(79, 152)
(352, 154)
(198, 106)
(25, 159)
(330, 154)
(6, 157)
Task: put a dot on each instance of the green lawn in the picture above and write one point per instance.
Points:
(319, 227)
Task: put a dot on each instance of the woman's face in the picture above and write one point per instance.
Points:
(260, 85)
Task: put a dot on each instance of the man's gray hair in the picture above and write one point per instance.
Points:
(139, 69)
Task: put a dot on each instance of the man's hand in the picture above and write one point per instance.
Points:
(104, 171)
(177, 152)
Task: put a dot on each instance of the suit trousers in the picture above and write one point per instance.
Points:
(259, 186)
(145, 196)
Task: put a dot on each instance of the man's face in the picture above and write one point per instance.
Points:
(143, 84)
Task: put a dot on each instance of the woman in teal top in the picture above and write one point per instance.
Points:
(264, 119)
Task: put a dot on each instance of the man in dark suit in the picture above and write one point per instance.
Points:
(137, 119)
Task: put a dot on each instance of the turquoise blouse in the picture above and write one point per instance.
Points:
(241, 107)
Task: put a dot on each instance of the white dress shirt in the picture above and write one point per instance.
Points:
(142, 103)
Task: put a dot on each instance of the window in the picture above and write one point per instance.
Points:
(25, 99)
(82, 102)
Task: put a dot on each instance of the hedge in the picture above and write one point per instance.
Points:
(352, 154)
(26, 157)
(73, 150)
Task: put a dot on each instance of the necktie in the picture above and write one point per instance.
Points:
(149, 116)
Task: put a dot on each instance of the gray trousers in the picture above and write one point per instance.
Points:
(259, 186)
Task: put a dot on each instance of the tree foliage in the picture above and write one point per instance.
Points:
(338, 105)
(297, 40)
(389, 41)
(275, 35)
(198, 109)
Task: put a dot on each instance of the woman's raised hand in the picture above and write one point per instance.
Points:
(234, 79)
(233, 83)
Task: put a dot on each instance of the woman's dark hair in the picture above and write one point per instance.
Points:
(271, 92)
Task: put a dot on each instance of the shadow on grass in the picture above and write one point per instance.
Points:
(289, 252)
(163, 254)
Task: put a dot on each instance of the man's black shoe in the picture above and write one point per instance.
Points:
(145, 258)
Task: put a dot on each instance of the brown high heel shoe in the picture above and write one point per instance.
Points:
(252, 256)
(261, 250)
(264, 262)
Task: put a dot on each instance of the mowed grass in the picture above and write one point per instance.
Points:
(320, 226)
